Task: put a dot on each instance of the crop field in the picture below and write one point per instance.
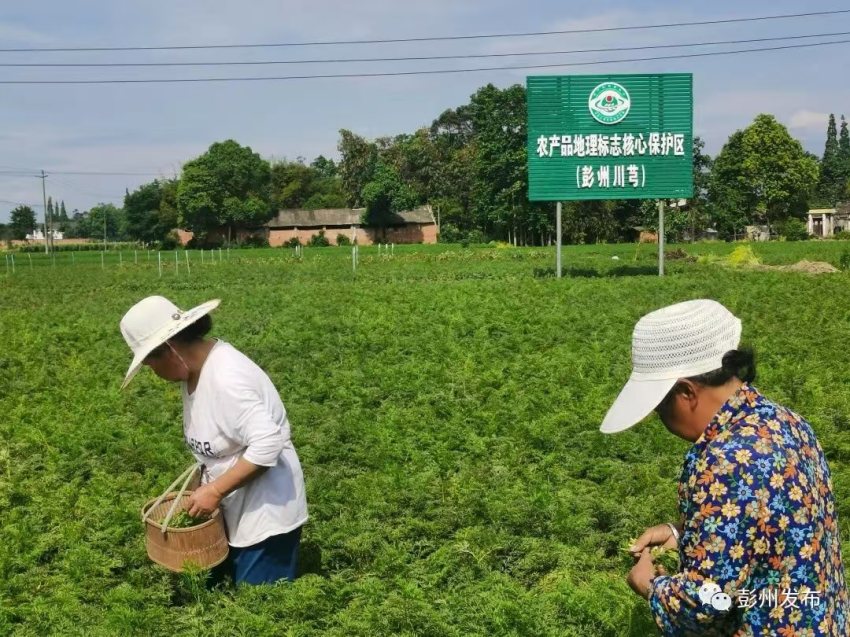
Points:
(445, 403)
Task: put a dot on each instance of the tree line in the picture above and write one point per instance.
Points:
(470, 166)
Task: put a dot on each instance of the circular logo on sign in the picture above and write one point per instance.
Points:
(609, 103)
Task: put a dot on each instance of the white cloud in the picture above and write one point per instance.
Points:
(810, 120)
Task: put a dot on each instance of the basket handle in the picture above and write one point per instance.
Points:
(186, 476)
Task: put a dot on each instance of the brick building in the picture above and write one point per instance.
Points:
(410, 226)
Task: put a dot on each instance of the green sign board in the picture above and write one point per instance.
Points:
(610, 137)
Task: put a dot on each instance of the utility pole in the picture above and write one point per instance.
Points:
(46, 219)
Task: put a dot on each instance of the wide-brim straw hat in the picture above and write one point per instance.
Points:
(678, 341)
(151, 322)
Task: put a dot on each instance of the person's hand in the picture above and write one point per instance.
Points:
(659, 535)
(204, 501)
(642, 574)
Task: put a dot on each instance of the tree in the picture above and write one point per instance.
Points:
(141, 208)
(761, 174)
(385, 195)
(777, 169)
(831, 184)
(226, 187)
(105, 222)
(63, 214)
(324, 166)
(356, 165)
(22, 222)
(697, 211)
(844, 159)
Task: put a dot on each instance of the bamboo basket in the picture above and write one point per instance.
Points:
(204, 546)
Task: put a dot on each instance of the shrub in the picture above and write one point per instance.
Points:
(449, 233)
(842, 235)
(844, 260)
(255, 241)
(319, 240)
(294, 242)
(170, 242)
(794, 230)
(201, 242)
(343, 240)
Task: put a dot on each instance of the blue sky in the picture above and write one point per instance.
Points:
(154, 128)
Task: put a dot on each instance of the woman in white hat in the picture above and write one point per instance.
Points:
(235, 424)
(758, 536)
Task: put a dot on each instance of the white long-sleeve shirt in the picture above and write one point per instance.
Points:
(235, 412)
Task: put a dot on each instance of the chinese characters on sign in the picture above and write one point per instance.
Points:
(610, 137)
(772, 598)
(611, 176)
(626, 145)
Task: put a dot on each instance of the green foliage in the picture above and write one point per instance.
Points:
(833, 174)
(145, 222)
(343, 240)
(844, 260)
(844, 161)
(794, 230)
(112, 246)
(105, 220)
(255, 241)
(22, 222)
(356, 165)
(777, 170)
(295, 185)
(762, 175)
(293, 242)
(449, 233)
(444, 405)
(182, 520)
(226, 187)
(319, 240)
(384, 195)
(743, 255)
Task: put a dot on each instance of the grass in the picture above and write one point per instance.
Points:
(445, 404)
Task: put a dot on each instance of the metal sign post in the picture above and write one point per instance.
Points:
(610, 137)
(558, 209)
(661, 237)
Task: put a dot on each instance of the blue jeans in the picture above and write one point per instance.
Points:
(272, 560)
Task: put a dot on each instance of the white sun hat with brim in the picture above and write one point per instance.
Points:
(151, 322)
(677, 341)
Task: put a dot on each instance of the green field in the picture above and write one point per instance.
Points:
(445, 403)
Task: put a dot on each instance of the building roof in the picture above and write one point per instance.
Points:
(822, 211)
(300, 218)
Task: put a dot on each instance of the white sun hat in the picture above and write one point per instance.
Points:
(677, 341)
(151, 322)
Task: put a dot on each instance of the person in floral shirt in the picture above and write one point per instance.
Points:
(758, 537)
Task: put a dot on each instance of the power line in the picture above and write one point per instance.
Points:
(469, 56)
(21, 203)
(23, 173)
(103, 173)
(441, 38)
(421, 72)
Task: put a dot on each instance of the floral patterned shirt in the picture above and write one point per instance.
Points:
(759, 553)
